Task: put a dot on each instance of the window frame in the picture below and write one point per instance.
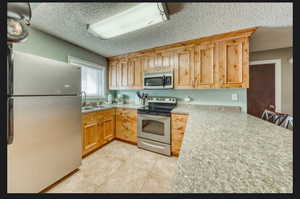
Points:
(83, 63)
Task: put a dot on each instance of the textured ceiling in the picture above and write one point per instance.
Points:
(187, 21)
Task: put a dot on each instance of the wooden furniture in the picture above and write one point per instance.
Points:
(178, 124)
(218, 61)
(98, 128)
(126, 125)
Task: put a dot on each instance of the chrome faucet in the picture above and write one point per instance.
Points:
(84, 101)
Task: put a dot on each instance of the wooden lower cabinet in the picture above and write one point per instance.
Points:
(90, 133)
(90, 137)
(108, 125)
(126, 125)
(178, 124)
(97, 129)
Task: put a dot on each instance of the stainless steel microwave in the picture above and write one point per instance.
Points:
(158, 80)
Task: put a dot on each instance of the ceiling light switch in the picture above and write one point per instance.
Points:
(234, 97)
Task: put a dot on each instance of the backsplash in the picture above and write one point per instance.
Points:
(203, 96)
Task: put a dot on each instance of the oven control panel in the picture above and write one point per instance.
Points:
(154, 99)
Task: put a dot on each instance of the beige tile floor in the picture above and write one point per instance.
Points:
(119, 167)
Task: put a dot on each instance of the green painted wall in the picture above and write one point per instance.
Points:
(205, 96)
(45, 45)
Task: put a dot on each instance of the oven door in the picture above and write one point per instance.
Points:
(154, 127)
(154, 82)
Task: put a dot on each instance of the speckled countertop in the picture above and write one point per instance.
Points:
(109, 106)
(227, 151)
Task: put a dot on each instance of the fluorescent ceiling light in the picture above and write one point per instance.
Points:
(135, 18)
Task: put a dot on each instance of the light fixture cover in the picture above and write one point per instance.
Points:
(137, 17)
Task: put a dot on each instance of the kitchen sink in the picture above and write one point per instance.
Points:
(85, 108)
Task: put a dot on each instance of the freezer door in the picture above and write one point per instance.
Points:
(34, 75)
(47, 142)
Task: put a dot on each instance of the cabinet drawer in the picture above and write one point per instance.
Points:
(126, 112)
(177, 135)
(179, 122)
(88, 117)
(109, 112)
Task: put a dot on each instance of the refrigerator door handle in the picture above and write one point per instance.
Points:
(10, 70)
(10, 125)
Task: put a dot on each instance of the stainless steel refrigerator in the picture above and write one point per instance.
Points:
(44, 122)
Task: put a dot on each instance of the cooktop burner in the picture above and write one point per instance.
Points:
(159, 106)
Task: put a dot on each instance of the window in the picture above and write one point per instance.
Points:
(92, 81)
(92, 77)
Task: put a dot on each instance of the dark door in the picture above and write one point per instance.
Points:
(261, 91)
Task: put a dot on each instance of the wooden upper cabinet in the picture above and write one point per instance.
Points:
(205, 65)
(218, 61)
(234, 63)
(138, 73)
(119, 75)
(124, 73)
(113, 75)
(148, 62)
(130, 73)
(184, 67)
(164, 61)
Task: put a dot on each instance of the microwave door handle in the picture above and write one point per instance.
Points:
(164, 80)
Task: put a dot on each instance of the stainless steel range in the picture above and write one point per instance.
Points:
(154, 125)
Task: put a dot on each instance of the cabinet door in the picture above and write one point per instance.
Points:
(113, 75)
(108, 125)
(234, 63)
(138, 74)
(90, 136)
(148, 62)
(205, 65)
(124, 72)
(164, 61)
(135, 73)
(126, 125)
(119, 75)
(131, 73)
(108, 128)
(178, 127)
(184, 67)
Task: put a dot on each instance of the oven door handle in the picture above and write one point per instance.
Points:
(154, 117)
(152, 145)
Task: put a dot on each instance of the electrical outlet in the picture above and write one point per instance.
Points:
(234, 97)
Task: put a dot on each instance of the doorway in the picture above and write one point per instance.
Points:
(261, 91)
